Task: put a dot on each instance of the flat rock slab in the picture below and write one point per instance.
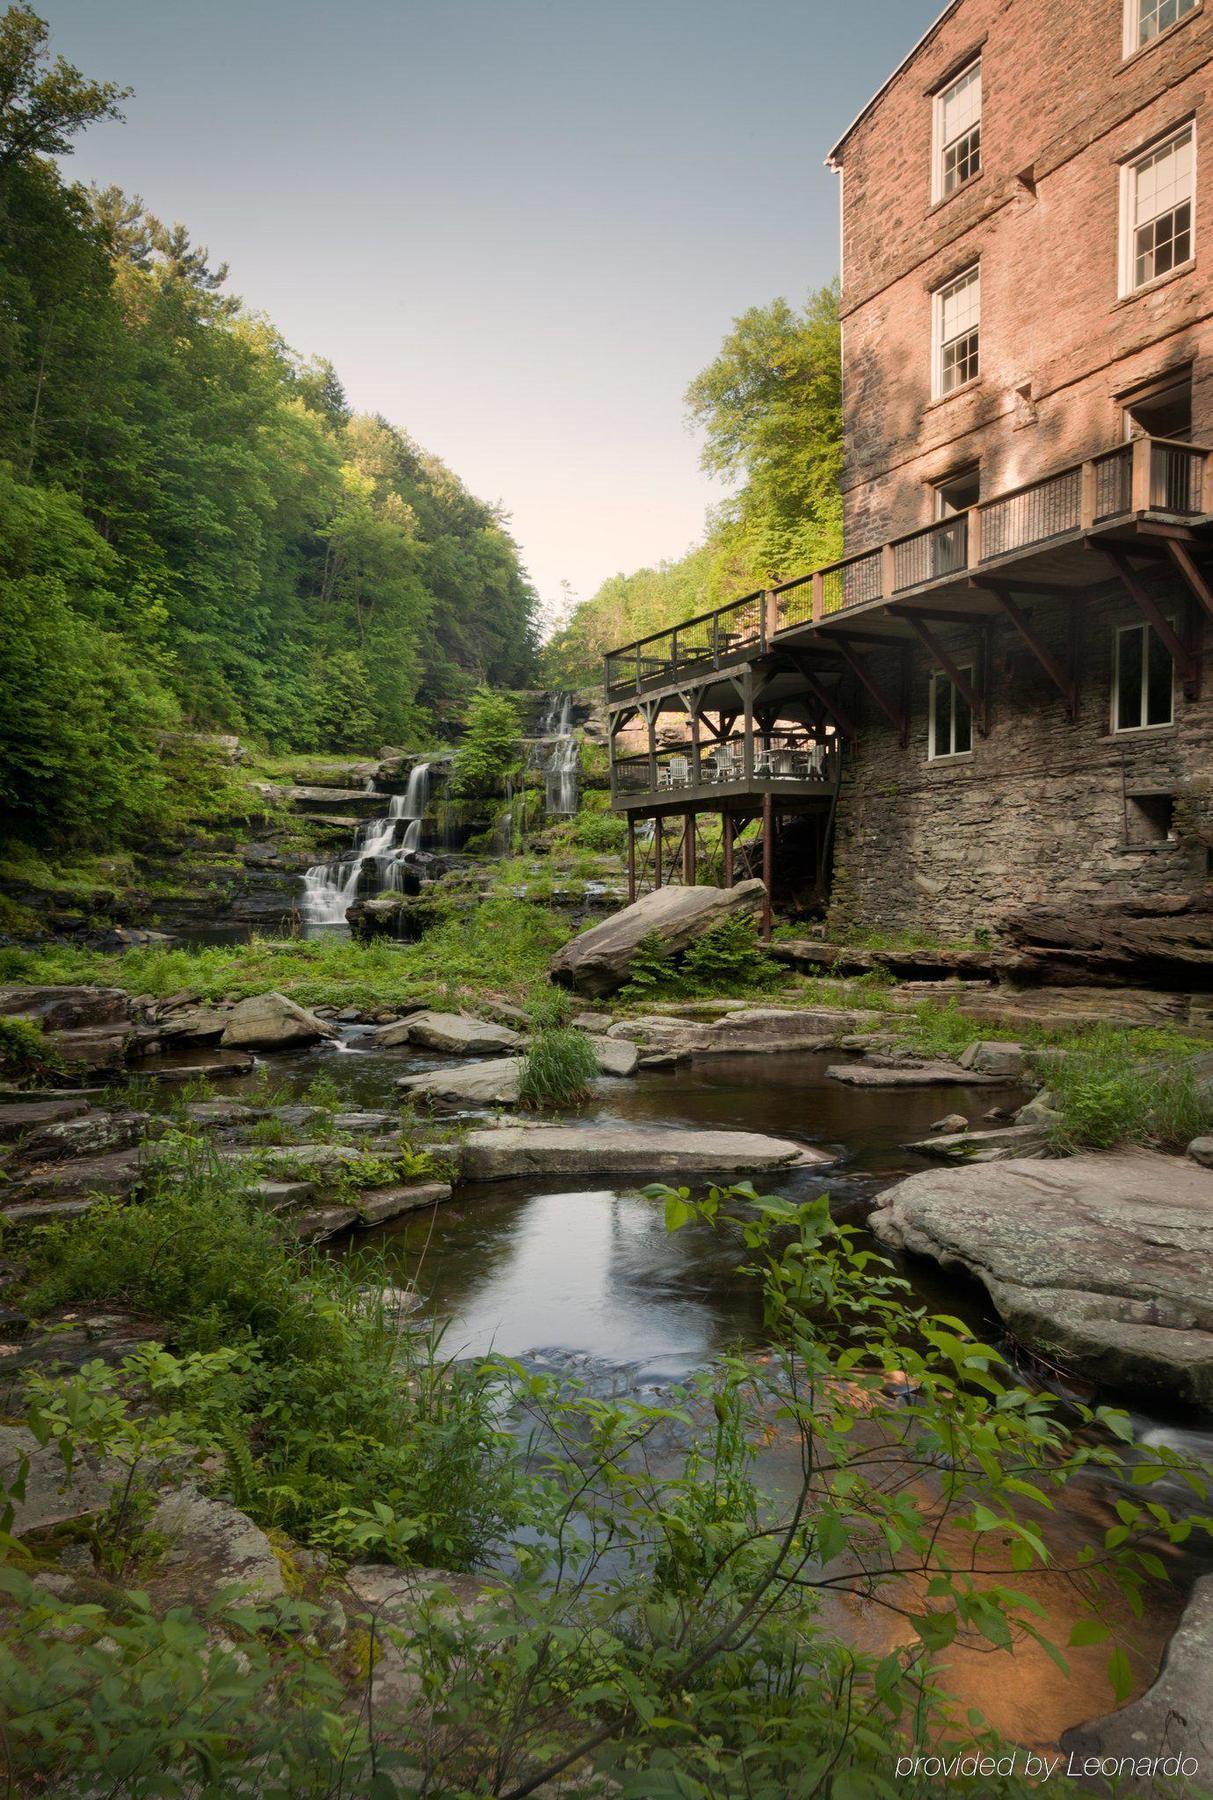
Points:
(118, 1172)
(615, 1055)
(1102, 1262)
(457, 1034)
(50, 1498)
(211, 1545)
(64, 1008)
(1174, 1717)
(272, 1022)
(513, 1150)
(903, 1075)
(599, 960)
(482, 1084)
(217, 1069)
(742, 1030)
(377, 1205)
(984, 1146)
(320, 1222)
(16, 1120)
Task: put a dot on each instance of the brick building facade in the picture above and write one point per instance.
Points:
(1003, 694)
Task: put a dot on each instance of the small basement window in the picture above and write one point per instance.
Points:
(1149, 818)
(951, 727)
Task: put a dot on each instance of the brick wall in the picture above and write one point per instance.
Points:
(1037, 811)
(1062, 106)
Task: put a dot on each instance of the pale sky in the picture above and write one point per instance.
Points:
(517, 227)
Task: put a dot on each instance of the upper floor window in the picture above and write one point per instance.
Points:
(957, 132)
(951, 724)
(1157, 191)
(957, 321)
(1144, 19)
(1144, 683)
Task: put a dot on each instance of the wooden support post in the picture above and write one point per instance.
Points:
(897, 719)
(767, 864)
(748, 725)
(976, 701)
(631, 859)
(726, 838)
(656, 851)
(688, 850)
(1142, 483)
(973, 537)
(888, 571)
(1057, 675)
(1088, 496)
(819, 597)
(770, 615)
(1147, 605)
(650, 719)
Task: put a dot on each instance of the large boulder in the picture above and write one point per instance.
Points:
(69, 1008)
(632, 1150)
(210, 1545)
(458, 1034)
(493, 1083)
(599, 960)
(51, 1497)
(1173, 1718)
(272, 1022)
(1102, 1263)
(1165, 942)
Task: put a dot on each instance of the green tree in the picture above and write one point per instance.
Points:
(43, 104)
(491, 746)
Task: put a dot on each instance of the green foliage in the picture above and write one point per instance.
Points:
(339, 1411)
(604, 832)
(558, 1068)
(491, 746)
(192, 524)
(726, 960)
(1115, 1087)
(770, 407)
(25, 1057)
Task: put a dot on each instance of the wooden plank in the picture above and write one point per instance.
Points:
(1052, 668)
(896, 718)
(976, 701)
(1198, 587)
(631, 859)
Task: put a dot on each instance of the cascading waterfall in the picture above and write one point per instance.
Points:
(381, 854)
(556, 753)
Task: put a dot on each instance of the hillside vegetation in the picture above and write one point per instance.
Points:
(194, 527)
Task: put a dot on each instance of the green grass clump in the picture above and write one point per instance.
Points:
(329, 1412)
(1117, 1087)
(25, 1056)
(558, 1068)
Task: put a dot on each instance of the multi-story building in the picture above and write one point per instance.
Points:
(1003, 693)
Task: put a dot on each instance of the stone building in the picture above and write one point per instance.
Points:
(1002, 696)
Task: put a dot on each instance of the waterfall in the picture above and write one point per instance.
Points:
(556, 753)
(382, 850)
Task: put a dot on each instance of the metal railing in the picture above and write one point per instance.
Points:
(1032, 514)
(936, 550)
(1146, 475)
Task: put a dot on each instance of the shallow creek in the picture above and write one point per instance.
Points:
(583, 1277)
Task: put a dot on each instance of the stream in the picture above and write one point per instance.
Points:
(582, 1277)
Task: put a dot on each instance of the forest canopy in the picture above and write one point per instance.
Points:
(194, 527)
(770, 408)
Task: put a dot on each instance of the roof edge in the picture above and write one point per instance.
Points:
(861, 115)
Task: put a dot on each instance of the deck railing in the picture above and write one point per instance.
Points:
(1146, 475)
(774, 758)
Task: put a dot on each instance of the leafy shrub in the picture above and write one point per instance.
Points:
(25, 1056)
(1115, 1087)
(558, 1068)
(604, 832)
(491, 745)
(728, 959)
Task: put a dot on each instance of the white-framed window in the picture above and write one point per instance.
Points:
(957, 132)
(1157, 195)
(1143, 683)
(951, 725)
(956, 325)
(1145, 19)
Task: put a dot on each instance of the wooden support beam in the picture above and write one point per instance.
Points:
(1147, 605)
(631, 860)
(726, 838)
(825, 699)
(656, 851)
(1197, 585)
(747, 743)
(836, 631)
(688, 849)
(896, 717)
(1063, 682)
(767, 864)
(976, 701)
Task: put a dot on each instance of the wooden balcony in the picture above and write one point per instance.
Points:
(790, 769)
(1030, 528)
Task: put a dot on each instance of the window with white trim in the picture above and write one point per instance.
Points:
(957, 132)
(1157, 193)
(1145, 19)
(951, 725)
(1143, 688)
(956, 313)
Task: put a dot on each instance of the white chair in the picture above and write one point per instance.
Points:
(680, 771)
(724, 763)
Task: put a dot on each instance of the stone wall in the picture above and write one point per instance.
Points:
(1040, 810)
(1062, 107)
